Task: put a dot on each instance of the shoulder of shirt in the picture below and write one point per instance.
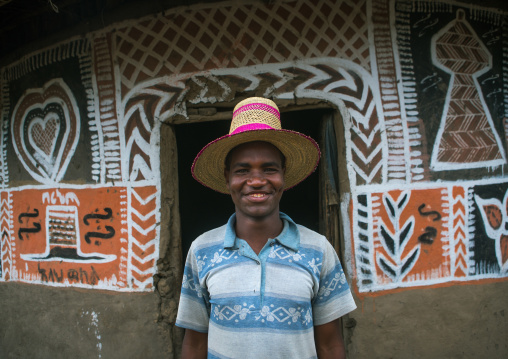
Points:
(212, 237)
(308, 237)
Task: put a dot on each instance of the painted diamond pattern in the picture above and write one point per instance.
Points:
(202, 38)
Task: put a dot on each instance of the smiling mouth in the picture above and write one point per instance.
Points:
(258, 195)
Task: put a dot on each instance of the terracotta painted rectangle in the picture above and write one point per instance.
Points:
(429, 236)
(70, 237)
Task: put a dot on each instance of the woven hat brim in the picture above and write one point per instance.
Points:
(302, 156)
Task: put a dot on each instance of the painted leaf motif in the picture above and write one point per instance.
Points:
(388, 241)
(387, 267)
(402, 202)
(410, 261)
(494, 216)
(389, 205)
(405, 234)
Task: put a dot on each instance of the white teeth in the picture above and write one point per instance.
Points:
(257, 195)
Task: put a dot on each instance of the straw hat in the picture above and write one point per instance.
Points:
(257, 119)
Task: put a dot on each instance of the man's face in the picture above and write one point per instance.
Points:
(255, 179)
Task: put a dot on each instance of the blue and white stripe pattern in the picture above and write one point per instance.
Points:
(260, 305)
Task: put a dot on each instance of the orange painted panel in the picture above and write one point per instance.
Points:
(408, 237)
(70, 236)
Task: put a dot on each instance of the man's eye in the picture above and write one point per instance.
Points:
(271, 170)
(243, 170)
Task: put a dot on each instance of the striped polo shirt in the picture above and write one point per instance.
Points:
(266, 305)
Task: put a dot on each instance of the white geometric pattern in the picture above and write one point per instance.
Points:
(244, 34)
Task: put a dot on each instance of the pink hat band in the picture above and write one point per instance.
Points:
(251, 127)
(258, 115)
(257, 106)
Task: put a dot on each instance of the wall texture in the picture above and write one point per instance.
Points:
(90, 259)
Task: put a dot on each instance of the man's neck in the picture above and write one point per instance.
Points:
(256, 232)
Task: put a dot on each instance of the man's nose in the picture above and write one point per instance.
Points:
(256, 178)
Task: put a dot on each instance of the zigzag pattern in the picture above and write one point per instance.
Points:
(141, 109)
(459, 255)
(334, 80)
(5, 236)
(365, 130)
(143, 247)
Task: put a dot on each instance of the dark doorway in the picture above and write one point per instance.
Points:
(202, 209)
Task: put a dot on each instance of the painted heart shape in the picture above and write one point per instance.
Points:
(42, 134)
(45, 130)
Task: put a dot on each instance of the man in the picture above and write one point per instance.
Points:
(261, 286)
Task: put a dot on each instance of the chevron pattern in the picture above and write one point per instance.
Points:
(144, 233)
(140, 129)
(460, 265)
(187, 40)
(334, 80)
(365, 127)
(6, 234)
(468, 135)
(337, 81)
(394, 236)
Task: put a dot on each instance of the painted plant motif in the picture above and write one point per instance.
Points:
(398, 265)
(495, 219)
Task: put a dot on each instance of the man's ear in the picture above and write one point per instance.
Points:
(226, 176)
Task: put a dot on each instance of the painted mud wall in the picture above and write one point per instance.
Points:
(90, 254)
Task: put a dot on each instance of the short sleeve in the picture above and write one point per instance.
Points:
(194, 306)
(334, 298)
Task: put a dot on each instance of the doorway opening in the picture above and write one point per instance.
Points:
(202, 209)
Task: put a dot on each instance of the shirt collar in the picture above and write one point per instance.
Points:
(289, 237)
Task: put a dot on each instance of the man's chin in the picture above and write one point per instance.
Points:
(259, 213)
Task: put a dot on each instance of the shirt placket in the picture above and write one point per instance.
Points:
(246, 251)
